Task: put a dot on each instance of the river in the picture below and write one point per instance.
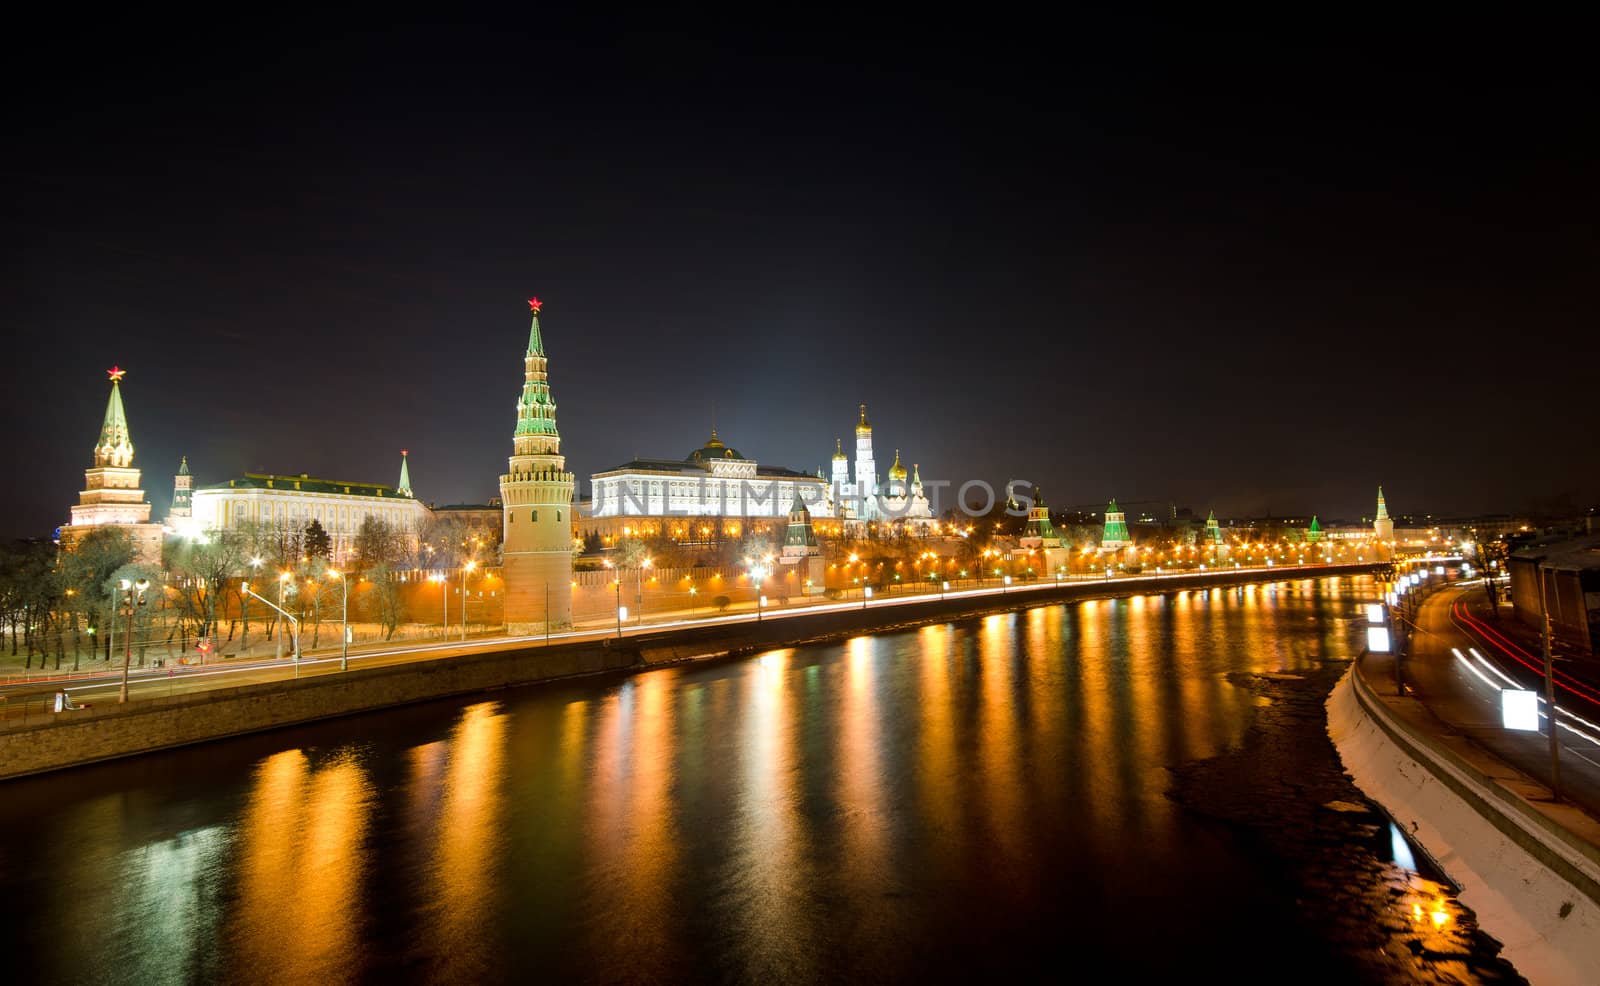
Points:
(1034, 795)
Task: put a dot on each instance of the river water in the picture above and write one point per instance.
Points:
(1083, 791)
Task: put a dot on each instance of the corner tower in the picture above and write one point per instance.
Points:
(536, 500)
(111, 493)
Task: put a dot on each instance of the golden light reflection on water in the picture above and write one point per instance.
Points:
(860, 794)
(633, 840)
(1000, 760)
(769, 849)
(469, 842)
(300, 843)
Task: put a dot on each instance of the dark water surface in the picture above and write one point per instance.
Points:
(987, 800)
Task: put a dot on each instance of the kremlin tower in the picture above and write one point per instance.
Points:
(182, 496)
(111, 493)
(536, 497)
(1115, 534)
(1382, 526)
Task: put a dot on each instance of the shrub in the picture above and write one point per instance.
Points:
(721, 602)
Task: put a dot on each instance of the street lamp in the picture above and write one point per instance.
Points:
(132, 596)
(283, 578)
(244, 605)
(344, 620)
(758, 574)
(444, 600)
(469, 566)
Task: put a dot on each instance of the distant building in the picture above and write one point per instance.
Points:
(111, 494)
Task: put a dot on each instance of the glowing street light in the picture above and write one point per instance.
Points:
(469, 566)
(444, 601)
(132, 597)
(344, 619)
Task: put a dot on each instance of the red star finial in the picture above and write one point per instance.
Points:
(402, 451)
(115, 373)
(533, 305)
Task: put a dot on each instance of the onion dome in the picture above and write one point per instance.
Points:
(897, 472)
(862, 428)
(838, 450)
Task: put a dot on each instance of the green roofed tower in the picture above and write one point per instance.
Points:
(1115, 534)
(536, 497)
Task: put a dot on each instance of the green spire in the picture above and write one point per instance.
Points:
(535, 341)
(1314, 532)
(116, 442)
(183, 466)
(404, 486)
(536, 410)
(1383, 510)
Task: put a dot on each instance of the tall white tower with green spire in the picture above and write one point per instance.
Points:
(111, 494)
(536, 498)
(1382, 526)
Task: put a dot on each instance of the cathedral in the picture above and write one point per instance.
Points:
(864, 501)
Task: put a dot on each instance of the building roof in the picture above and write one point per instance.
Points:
(712, 449)
(689, 467)
(304, 483)
(1572, 555)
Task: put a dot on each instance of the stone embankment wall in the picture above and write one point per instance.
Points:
(1533, 884)
(111, 731)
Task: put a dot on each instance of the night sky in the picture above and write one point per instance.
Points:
(1248, 267)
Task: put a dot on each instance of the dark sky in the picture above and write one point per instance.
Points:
(1246, 266)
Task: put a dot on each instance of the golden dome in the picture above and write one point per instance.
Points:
(862, 428)
(897, 471)
(838, 450)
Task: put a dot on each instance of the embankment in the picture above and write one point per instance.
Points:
(1533, 884)
(112, 731)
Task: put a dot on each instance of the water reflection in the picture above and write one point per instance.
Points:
(300, 838)
(469, 843)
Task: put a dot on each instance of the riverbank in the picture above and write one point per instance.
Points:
(1533, 882)
(110, 731)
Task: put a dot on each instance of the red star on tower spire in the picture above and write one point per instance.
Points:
(534, 304)
(116, 373)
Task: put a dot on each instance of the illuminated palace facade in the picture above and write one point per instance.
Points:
(293, 502)
(714, 491)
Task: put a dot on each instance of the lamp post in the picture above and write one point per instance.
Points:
(344, 620)
(469, 566)
(1549, 686)
(133, 596)
(758, 574)
(444, 602)
(244, 606)
(638, 589)
(282, 578)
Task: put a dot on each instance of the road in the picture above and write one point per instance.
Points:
(1458, 663)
